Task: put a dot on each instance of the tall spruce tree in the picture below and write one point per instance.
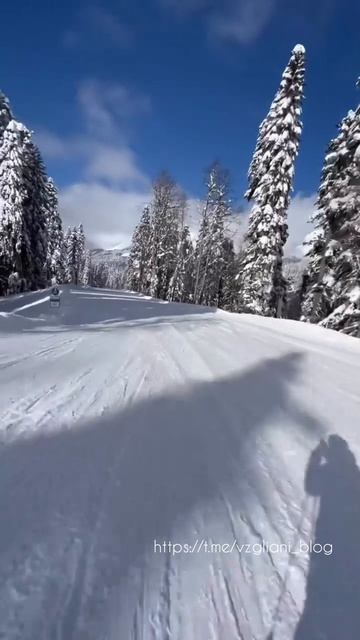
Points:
(36, 204)
(333, 280)
(181, 284)
(70, 255)
(263, 288)
(294, 273)
(99, 275)
(145, 250)
(86, 271)
(65, 255)
(79, 253)
(15, 238)
(138, 263)
(201, 250)
(108, 275)
(228, 289)
(5, 117)
(115, 276)
(74, 254)
(5, 114)
(166, 220)
(320, 247)
(209, 252)
(55, 240)
(28, 221)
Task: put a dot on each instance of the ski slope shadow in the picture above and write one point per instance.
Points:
(94, 310)
(81, 508)
(332, 608)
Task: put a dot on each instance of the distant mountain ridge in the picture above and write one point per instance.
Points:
(120, 256)
(110, 256)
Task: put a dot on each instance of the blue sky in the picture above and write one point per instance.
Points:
(118, 91)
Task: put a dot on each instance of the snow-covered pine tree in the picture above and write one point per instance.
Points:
(209, 253)
(138, 262)
(86, 271)
(65, 253)
(294, 274)
(228, 289)
(74, 254)
(167, 209)
(99, 275)
(115, 276)
(215, 264)
(55, 240)
(5, 117)
(26, 203)
(132, 271)
(271, 173)
(70, 255)
(145, 252)
(181, 284)
(5, 114)
(15, 241)
(202, 247)
(36, 204)
(107, 275)
(79, 253)
(319, 246)
(333, 279)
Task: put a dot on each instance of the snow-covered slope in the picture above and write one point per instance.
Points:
(127, 423)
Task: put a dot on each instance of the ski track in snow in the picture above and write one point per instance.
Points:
(124, 421)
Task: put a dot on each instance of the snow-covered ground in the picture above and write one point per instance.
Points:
(127, 423)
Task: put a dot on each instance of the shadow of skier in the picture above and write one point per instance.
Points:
(101, 493)
(332, 608)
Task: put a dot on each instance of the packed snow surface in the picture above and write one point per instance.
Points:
(128, 424)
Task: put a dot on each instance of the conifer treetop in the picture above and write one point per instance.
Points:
(5, 112)
(271, 173)
(299, 49)
(279, 134)
(15, 126)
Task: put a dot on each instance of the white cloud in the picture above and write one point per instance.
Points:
(194, 210)
(182, 7)
(107, 24)
(240, 21)
(243, 21)
(50, 144)
(117, 166)
(102, 161)
(96, 26)
(109, 214)
(108, 107)
(110, 194)
(109, 197)
(301, 208)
